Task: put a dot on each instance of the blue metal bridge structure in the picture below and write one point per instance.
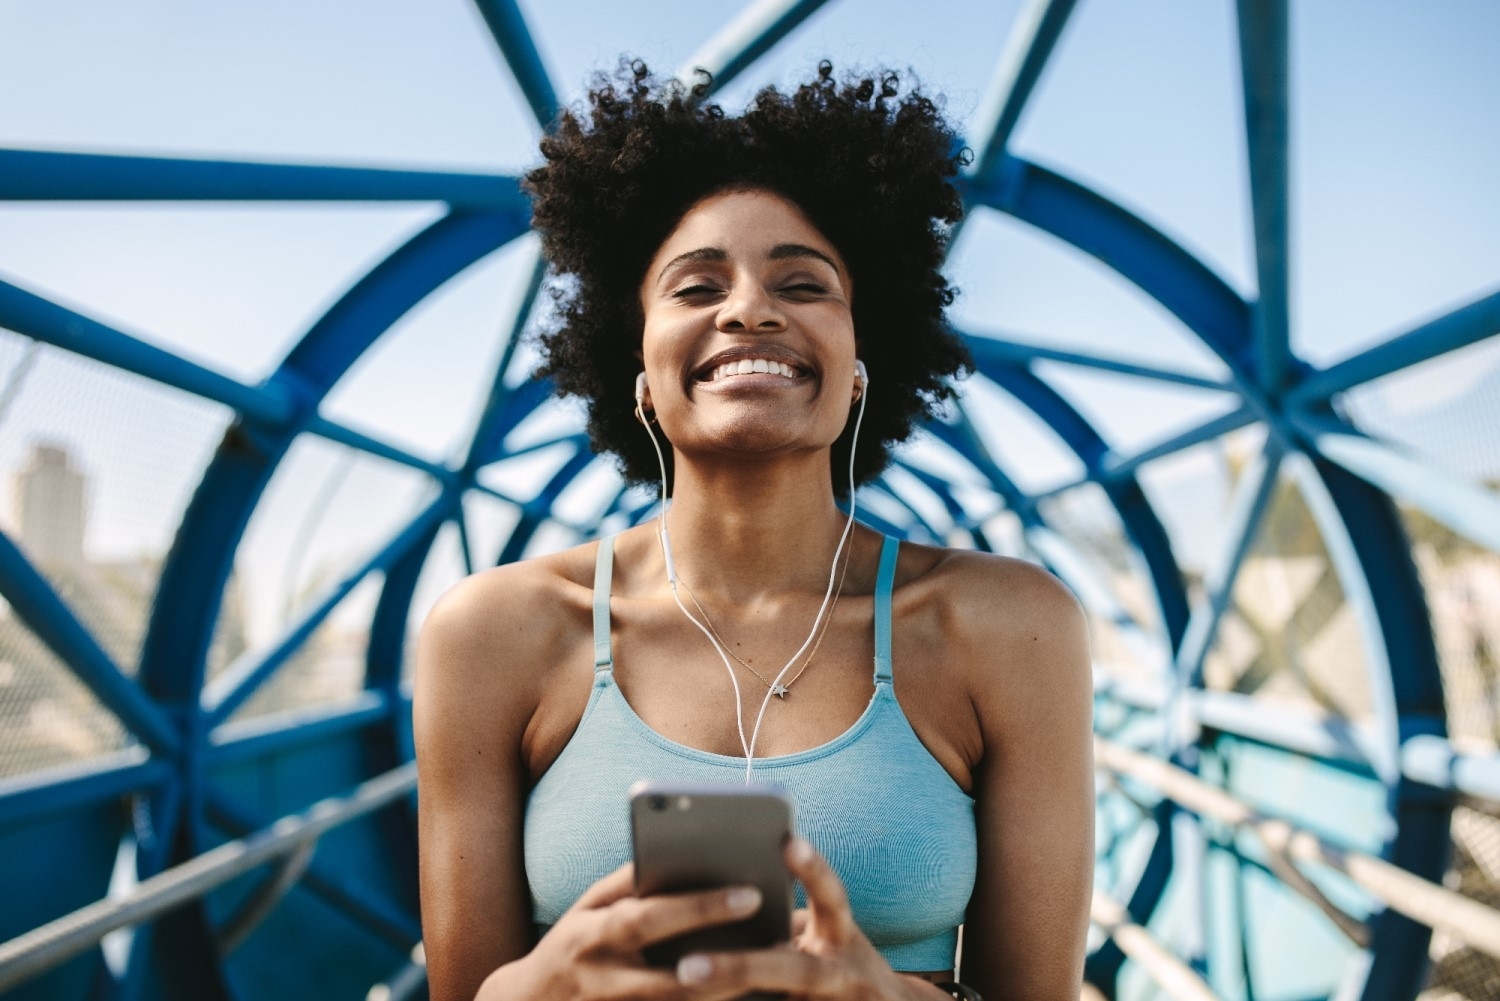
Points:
(1298, 789)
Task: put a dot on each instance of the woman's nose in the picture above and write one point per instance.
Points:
(749, 307)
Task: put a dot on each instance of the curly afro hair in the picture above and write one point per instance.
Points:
(870, 167)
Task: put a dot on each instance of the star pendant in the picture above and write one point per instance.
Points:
(779, 691)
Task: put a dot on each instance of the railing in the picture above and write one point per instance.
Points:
(1436, 906)
(288, 843)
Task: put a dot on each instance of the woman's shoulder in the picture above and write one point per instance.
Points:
(986, 592)
(508, 625)
(1013, 627)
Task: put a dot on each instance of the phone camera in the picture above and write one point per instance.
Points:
(658, 803)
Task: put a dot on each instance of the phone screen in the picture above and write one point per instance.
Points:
(699, 837)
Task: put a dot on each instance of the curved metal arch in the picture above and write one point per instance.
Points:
(183, 616)
(1376, 538)
(1133, 249)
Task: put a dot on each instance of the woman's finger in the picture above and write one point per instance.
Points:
(799, 921)
(637, 922)
(731, 974)
(826, 898)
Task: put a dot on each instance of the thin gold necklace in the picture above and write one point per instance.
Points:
(779, 690)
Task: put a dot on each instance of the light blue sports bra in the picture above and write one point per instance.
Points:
(892, 822)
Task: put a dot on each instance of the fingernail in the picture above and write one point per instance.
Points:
(802, 851)
(743, 899)
(694, 969)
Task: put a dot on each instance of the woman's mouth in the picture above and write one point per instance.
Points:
(750, 366)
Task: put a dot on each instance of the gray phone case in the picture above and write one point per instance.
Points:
(698, 837)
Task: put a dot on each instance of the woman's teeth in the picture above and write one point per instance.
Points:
(747, 366)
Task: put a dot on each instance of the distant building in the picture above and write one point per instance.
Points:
(47, 716)
(49, 507)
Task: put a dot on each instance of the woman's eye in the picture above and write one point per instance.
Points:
(806, 288)
(694, 290)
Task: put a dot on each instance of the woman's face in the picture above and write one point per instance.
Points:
(746, 282)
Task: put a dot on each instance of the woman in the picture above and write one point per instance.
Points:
(775, 279)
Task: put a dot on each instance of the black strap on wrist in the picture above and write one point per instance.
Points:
(959, 991)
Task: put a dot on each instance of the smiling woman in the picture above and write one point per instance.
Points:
(755, 289)
(867, 167)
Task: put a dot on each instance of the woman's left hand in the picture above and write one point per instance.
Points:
(832, 959)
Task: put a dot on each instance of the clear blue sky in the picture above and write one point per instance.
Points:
(1396, 192)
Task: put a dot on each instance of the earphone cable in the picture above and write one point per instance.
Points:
(666, 552)
(832, 572)
(666, 547)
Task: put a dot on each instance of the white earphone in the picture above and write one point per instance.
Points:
(748, 746)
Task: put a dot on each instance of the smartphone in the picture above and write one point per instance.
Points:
(700, 837)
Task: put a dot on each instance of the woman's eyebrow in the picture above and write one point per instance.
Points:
(787, 251)
(694, 257)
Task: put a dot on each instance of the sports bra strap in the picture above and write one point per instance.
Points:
(604, 568)
(884, 583)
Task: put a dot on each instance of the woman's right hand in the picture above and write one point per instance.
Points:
(594, 950)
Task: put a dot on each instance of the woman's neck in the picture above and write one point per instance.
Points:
(749, 531)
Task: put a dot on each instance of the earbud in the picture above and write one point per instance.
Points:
(640, 399)
(859, 370)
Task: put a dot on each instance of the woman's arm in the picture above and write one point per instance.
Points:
(485, 654)
(470, 709)
(1026, 925)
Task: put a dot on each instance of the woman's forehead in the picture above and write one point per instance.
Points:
(742, 223)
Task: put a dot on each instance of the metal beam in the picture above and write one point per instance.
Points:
(517, 44)
(331, 431)
(1325, 738)
(353, 896)
(247, 740)
(754, 31)
(1132, 248)
(1054, 409)
(36, 175)
(1114, 467)
(1433, 761)
(506, 406)
(40, 949)
(1033, 35)
(1468, 324)
(1469, 509)
(1263, 30)
(1251, 498)
(964, 438)
(35, 602)
(77, 785)
(1370, 551)
(1001, 351)
(33, 316)
(242, 678)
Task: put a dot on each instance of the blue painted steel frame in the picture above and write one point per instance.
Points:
(182, 621)
(489, 210)
(34, 175)
(49, 617)
(1263, 64)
